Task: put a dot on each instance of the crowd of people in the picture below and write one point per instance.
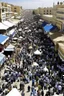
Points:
(44, 75)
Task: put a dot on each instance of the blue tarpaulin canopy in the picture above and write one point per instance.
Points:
(3, 38)
(2, 58)
(44, 23)
(49, 27)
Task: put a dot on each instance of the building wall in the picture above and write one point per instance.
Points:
(59, 14)
(5, 11)
(45, 11)
(9, 10)
(16, 10)
(48, 11)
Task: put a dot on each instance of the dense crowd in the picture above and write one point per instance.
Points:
(45, 75)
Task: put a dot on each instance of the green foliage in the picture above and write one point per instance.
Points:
(39, 87)
(33, 12)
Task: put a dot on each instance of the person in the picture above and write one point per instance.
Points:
(59, 88)
(34, 92)
(38, 93)
(28, 88)
(42, 93)
(31, 94)
(47, 93)
(32, 88)
(23, 94)
(33, 82)
(20, 86)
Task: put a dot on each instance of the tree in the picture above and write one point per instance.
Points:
(33, 12)
(60, 3)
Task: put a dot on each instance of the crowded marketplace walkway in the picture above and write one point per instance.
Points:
(33, 70)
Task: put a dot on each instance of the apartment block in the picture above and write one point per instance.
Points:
(5, 11)
(8, 10)
(59, 14)
(16, 10)
(44, 11)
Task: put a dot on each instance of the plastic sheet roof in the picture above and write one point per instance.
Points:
(10, 48)
(44, 23)
(12, 32)
(48, 27)
(7, 23)
(14, 92)
(3, 27)
(2, 58)
(3, 39)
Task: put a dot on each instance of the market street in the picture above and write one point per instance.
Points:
(31, 68)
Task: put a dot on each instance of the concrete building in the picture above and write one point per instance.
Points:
(59, 14)
(16, 10)
(48, 11)
(44, 11)
(5, 11)
(8, 10)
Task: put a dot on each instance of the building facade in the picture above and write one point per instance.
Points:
(16, 10)
(5, 12)
(48, 11)
(59, 14)
(8, 10)
(45, 11)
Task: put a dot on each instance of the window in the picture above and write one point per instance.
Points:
(2, 10)
(60, 18)
(47, 10)
(44, 10)
(2, 4)
(15, 8)
(60, 12)
(50, 10)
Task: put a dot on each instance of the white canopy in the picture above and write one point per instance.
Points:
(35, 64)
(14, 21)
(11, 32)
(30, 47)
(10, 48)
(14, 92)
(2, 58)
(37, 52)
(26, 28)
(15, 38)
(3, 27)
(20, 37)
(41, 20)
(45, 69)
(22, 20)
(29, 30)
(7, 23)
(20, 29)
